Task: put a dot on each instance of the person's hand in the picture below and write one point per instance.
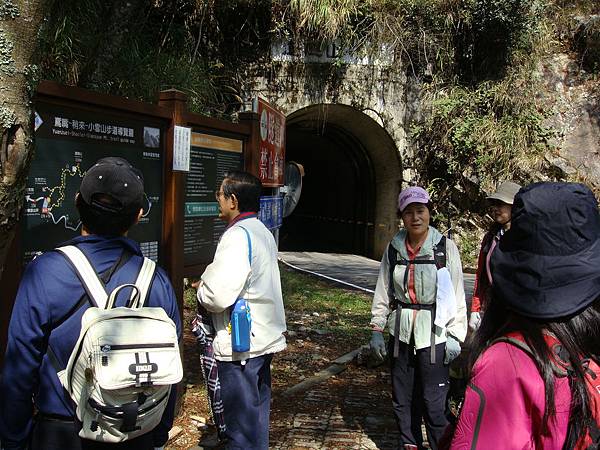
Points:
(452, 349)
(474, 320)
(377, 345)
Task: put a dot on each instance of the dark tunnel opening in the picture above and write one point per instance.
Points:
(337, 206)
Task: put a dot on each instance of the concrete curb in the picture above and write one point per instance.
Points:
(338, 366)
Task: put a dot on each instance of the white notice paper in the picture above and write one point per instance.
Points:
(445, 308)
(181, 148)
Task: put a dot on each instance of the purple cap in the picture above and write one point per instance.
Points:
(413, 194)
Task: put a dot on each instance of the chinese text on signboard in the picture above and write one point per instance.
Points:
(210, 158)
(271, 211)
(68, 141)
(271, 144)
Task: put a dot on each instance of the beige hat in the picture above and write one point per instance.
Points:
(505, 192)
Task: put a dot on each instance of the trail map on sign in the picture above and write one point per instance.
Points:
(51, 200)
(68, 142)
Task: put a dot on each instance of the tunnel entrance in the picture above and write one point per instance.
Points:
(352, 177)
(336, 210)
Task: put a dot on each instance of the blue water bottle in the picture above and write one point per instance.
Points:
(240, 326)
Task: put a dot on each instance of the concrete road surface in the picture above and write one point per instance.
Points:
(351, 270)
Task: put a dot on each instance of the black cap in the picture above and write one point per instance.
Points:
(547, 265)
(116, 178)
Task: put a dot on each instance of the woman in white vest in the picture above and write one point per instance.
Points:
(420, 298)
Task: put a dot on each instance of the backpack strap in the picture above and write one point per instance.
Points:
(231, 308)
(439, 253)
(105, 277)
(249, 245)
(392, 261)
(140, 288)
(143, 283)
(86, 274)
(439, 259)
(558, 359)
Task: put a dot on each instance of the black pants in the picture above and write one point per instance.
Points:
(419, 390)
(54, 434)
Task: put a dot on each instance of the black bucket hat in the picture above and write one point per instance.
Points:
(548, 264)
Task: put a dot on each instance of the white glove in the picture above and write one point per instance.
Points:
(452, 349)
(474, 320)
(377, 345)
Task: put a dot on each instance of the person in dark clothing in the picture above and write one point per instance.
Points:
(35, 410)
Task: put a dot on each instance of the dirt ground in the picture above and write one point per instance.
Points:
(311, 347)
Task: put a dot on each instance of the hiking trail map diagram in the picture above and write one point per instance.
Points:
(68, 142)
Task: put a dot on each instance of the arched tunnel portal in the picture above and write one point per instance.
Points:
(353, 173)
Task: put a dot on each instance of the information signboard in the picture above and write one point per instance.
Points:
(271, 211)
(68, 141)
(271, 144)
(210, 157)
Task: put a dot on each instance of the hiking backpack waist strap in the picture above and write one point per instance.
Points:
(415, 306)
(431, 307)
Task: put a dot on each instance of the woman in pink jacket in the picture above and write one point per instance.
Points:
(530, 387)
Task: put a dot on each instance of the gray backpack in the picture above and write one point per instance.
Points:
(125, 361)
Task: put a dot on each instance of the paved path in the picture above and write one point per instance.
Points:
(350, 411)
(351, 269)
(353, 409)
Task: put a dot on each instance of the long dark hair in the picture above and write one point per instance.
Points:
(579, 335)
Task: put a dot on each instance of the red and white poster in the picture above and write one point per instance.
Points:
(271, 160)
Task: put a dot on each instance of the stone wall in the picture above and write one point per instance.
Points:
(375, 87)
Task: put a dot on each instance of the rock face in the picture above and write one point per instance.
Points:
(576, 98)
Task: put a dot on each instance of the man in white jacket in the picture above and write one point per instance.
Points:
(245, 377)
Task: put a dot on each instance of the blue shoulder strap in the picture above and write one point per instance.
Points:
(249, 245)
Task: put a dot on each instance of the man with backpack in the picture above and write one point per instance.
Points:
(58, 316)
(242, 287)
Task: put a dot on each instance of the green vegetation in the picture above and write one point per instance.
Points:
(478, 64)
(474, 137)
(343, 313)
(189, 298)
(137, 48)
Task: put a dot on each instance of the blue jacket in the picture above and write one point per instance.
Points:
(48, 293)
